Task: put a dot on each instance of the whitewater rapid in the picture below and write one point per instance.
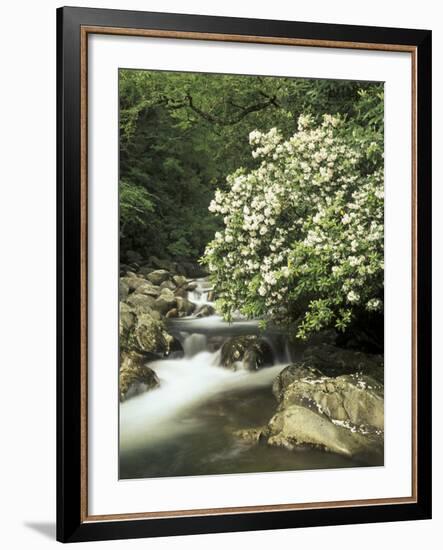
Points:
(188, 381)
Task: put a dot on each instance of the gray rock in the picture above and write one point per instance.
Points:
(168, 284)
(172, 313)
(141, 302)
(123, 290)
(180, 280)
(134, 376)
(148, 289)
(182, 292)
(127, 318)
(132, 282)
(167, 292)
(150, 336)
(356, 400)
(250, 351)
(184, 306)
(205, 311)
(290, 374)
(157, 277)
(298, 426)
(165, 302)
(156, 315)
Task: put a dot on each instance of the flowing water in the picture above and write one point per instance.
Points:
(185, 427)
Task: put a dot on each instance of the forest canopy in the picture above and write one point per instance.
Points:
(182, 134)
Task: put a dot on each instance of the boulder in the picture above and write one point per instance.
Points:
(343, 414)
(184, 306)
(291, 374)
(250, 352)
(134, 376)
(123, 290)
(132, 282)
(168, 284)
(165, 302)
(141, 303)
(175, 349)
(172, 313)
(158, 276)
(148, 289)
(182, 292)
(179, 280)
(356, 400)
(127, 318)
(167, 293)
(205, 311)
(297, 426)
(150, 337)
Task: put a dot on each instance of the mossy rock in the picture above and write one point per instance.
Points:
(148, 289)
(150, 336)
(141, 303)
(158, 276)
(134, 376)
(250, 352)
(131, 282)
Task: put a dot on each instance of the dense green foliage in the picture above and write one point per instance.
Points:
(303, 233)
(298, 223)
(182, 134)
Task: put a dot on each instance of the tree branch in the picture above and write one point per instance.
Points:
(237, 118)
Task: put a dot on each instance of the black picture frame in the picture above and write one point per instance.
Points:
(72, 526)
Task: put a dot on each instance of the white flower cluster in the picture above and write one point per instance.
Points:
(307, 222)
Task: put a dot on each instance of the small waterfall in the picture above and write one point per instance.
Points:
(155, 416)
(187, 425)
(281, 348)
(194, 343)
(199, 296)
(188, 381)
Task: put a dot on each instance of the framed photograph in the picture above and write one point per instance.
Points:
(244, 274)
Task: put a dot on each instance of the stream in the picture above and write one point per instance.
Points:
(185, 427)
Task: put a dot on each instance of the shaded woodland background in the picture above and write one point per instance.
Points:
(181, 134)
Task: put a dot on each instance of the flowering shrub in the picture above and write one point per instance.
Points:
(303, 232)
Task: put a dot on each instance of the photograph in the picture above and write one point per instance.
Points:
(251, 274)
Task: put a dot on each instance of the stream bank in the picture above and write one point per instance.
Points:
(203, 396)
